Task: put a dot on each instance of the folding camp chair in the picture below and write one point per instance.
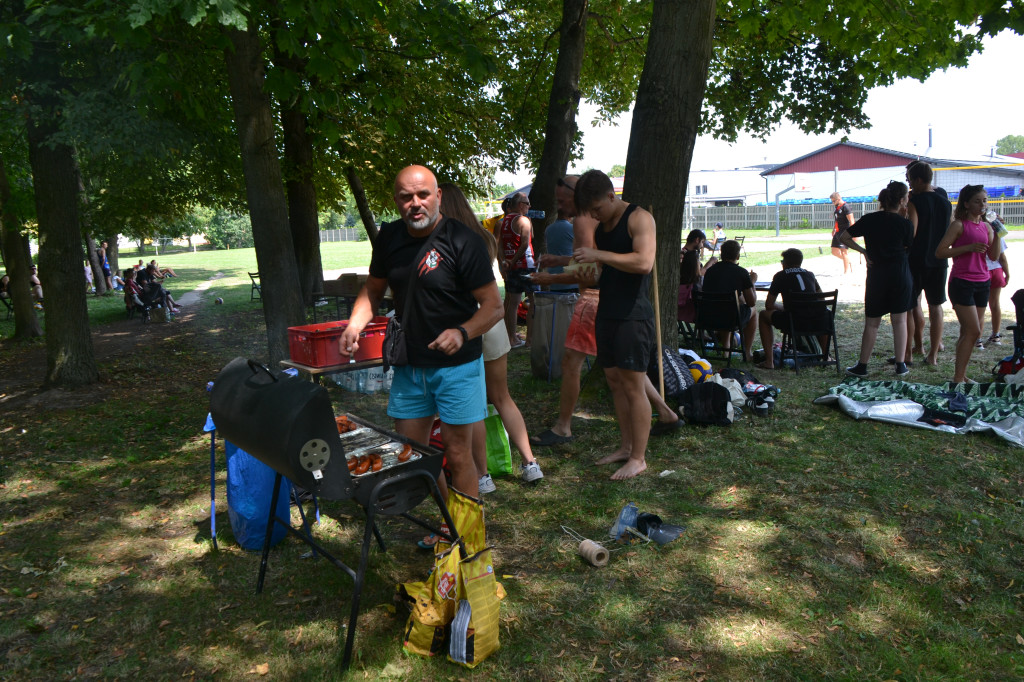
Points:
(257, 291)
(686, 314)
(719, 313)
(811, 316)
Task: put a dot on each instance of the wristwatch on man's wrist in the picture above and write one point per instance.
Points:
(465, 334)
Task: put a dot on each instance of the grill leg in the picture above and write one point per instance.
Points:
(364, 556)
(213, 489)
(380, 540)
(270, 531)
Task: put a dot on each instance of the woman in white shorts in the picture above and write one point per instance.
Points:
(496, 348)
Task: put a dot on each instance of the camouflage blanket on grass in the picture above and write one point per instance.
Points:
(955, 408)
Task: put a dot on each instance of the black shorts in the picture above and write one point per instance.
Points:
(963, 292)
(888, 290)
(745, 312)
(932, 281)
(518, 281)
(780, 320)
(836, 244)
(106, 271)
(625, 344)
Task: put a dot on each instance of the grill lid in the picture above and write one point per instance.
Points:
(286, 423)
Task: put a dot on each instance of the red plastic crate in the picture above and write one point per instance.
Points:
(316, 345)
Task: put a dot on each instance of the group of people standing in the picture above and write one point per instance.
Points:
(908, 246)
(438, 258)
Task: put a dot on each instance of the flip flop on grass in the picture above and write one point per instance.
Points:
(762, 365)
(549, 438)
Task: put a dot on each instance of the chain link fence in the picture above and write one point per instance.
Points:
(807, 216)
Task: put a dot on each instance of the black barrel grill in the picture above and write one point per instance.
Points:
(289, 425)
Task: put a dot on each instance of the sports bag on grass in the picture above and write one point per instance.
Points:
(707, 403)
(736, 395)
(677, 374)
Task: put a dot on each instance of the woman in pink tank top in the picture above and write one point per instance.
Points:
(967, 241)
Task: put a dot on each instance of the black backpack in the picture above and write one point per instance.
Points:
(707, 403)
(740, 375)
(677, 373)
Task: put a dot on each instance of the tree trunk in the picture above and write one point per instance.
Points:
(268, 207)
(665, 123)
(91, 255)
(563, 104)
(69, 354)
(365, 214)
(113, 255)
(98, 279)
(302, 207)
(16, 260)
(298, 179)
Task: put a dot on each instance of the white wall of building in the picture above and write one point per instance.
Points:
(849, 183)
(738, 184)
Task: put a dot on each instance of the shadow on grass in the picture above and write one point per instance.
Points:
(816, 546)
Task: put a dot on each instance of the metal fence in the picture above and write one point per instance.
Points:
(808, 216)
(347, 234)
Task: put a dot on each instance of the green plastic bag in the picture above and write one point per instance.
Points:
(499, 453)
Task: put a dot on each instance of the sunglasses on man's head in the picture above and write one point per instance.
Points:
(563, 183)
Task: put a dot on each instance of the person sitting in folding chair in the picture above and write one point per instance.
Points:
(791, 278)
(727, 276)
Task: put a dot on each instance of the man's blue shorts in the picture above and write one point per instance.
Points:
(457, 394)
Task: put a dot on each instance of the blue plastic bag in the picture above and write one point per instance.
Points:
(250, 487)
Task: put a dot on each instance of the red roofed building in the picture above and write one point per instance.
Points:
(859, 171)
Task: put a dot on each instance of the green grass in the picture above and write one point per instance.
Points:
(816, 547)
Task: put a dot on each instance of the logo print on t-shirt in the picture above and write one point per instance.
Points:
(429, 262)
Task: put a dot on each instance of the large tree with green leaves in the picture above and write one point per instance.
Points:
(771, 61)
(1011, 144)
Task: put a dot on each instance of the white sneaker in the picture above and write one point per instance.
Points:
(532, 472)
(487, 485)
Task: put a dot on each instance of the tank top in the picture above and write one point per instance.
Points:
(971, 266)
(510, 241)
(623, 294)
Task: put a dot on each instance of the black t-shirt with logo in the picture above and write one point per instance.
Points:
(793, 280)
(453, 267)
(842, 222)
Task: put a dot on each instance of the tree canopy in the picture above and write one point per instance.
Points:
(1011, 144)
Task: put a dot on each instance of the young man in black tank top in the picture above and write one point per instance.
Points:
(625, 241)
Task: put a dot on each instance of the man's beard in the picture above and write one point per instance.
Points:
(423, 223)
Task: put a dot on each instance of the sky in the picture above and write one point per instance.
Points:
(960, 128)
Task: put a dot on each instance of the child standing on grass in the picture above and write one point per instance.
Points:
(967, 241)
